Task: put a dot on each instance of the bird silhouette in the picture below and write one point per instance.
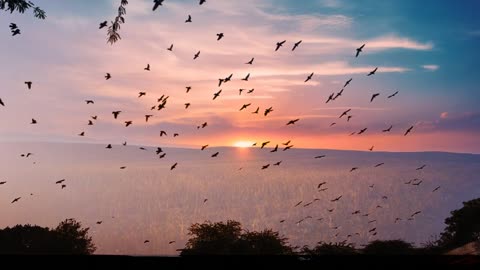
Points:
(89, 101)
(288, 147)
(109, 146)
(421, 167)
(347, 82)
(189, 19)
(250, 62)
(437, 188)
(162, 155)
(125, 144)
(33, 121)
(374, 96)
(362, 131)
(267, 111)
(353, 169)
(322, 156)
(345, 113)
(157, 3)
(116, 113)
(204, 125)
(103, 24)
(336, 199)
(159, 150)
(123, 168)
(283, 220)
(146, 241)
(309, 77)
(219, 36)
(29, 84)
(378, 165)
(3, 182)
(217, 94)
(338, 95)
(274, 149)
(265, 166)
(245, 106)
(147, 68)
(280, 44)
(63, 186)
(188, 88)
(128, 123)
(296, 45)
(203, 147)
(108, 76)
(16, 32)
(392, 95)
(196, 55)
(205, 200)
(1, 102)
(287, 143)
(246, 77)
(300, 202)
(264, 144)
(90, 123)
(99, 222)
(372, 72)
(321, 184)
(174, 166)
(416, 213)
(141, 94)
(60, 181)
(250, 91)
(175, 135)
(82, 134)
(371, 148)
(349, 117)
(388, 129)
(163, 133)
(408, 131)
(292, 122)
(256, 111)
(418, 183)
(215, 155)
(330, 210)
(170, 48)
(332, 124)
(359, 50)
(16, 199)
(278, 163)
(13, 26)
(187, 105)
(330, 97)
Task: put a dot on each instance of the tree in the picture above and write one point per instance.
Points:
(227, 238)
(112, 32)
(389, 247)
(463, 226)
(21, 6)
(330, 249)
(68, 238)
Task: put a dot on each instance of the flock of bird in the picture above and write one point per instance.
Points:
(163, 100)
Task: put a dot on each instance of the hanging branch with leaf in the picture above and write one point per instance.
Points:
(112, 33)
(21, 6)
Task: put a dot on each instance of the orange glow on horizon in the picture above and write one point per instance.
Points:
(243, 144)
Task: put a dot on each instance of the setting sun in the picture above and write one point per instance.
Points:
(243, 144)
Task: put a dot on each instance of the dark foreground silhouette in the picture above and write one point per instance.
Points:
(228, 238)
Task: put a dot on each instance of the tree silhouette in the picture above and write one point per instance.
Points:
(112, 32)
(227, 238)
(463, 226)
(68, 238)
(330, 249)
(389, 247)
(21, 6)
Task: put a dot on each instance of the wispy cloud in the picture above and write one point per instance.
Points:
(431, 67)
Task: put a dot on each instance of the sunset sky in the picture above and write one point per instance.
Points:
(428, 52)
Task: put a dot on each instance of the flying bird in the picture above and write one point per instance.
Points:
(29, 84)
(202, 2)
(189, 19)
(265, 166)
(292, 122)
(33, 121)
(215, 155)
(141, 94)
(371, 148)
(330, 97)
(278, 163)
(321, 184)
(196, 55)
(116, 113)
(274, 149)
(203, 147)
(374, 96)
(217, 94)
(296, 45)
(267, 111)
(60, 181)
(288, 147)
(256, 111)
(147, 68)
(103, 24)
(338, 94)
(287, 143)
(174, 166)
(108, 76)
(246, 77)
(219, 36)
(348, 82)
(392, 95)
(3, 182)
(123, 168)
(82, 134)
(170, 48)
(372, 72)
(300, 202)
(332, 124)
(408, 131)
(264, 144)
(250, 62)
(146, 241)
(187, 105)
(1, 102)
(63, 186)
(280, 44)
(205, 200)
(349, 117)
(359, 50)
(163, 133)
(345, 113)
(437, 188)
(336, 199)
(156, 4)
(416, 213)
(128, 123)
(245, 106)
(250, 91)
(309, 77)
(322, 156)
(16, 32)
(379, 164)
(362, 131)
(16, 199)
(421, 167)
(90, 123)
(89, 101)
(388, 129)
(353, 169)
(109, 146)
(188, 88)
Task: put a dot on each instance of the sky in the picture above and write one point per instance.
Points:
(427, 51)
